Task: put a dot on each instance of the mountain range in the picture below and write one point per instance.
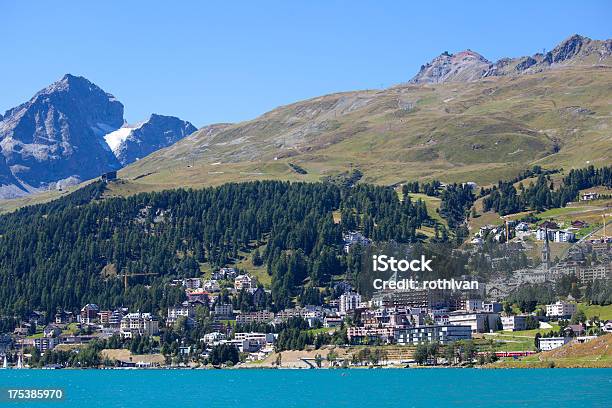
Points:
(59, 137)
(461, 117)
(470, 66)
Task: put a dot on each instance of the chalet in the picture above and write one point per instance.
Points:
(588, 196)
(109, 176)
(198, 295)
(51, 330)
(573, 330)
(245, 282)
(225, 274)
(64, 317)
(354, 238)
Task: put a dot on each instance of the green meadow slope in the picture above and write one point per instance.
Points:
(478, 131)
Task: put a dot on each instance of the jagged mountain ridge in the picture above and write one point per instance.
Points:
(56, 135)
(484, 128)
(57, 138)
(132, 143)
(470, 66)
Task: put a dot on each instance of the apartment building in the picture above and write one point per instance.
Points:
(479, 322)
(349, 301)
(141, 324)
(561, 309)
(514, 323)
(433, 334)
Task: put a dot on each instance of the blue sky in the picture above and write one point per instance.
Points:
(228, 61)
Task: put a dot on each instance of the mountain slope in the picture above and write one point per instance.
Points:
(480, 131)
(56, 135)
(461, 67)
(461, 118)
(132, 143)
(60, 137)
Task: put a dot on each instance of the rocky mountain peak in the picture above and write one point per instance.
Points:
(463, 66)
(468, 65)
(73, 130)
(131, 143)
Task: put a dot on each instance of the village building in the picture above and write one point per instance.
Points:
(561, 309)
(139, 324)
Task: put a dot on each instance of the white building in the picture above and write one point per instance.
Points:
(261, 316)
(551, 343)
(211, 286)
(349, 301)
(564, 236)
(432, 334)
(192, 283)
(588, 196)
(213, 337)
(245, 282)
(142, 324)
(478, 322)
(46, 343)
(174, 312)
(555, 235)
(561, 309)
(514, 323)
(252, 342)
(472, 305)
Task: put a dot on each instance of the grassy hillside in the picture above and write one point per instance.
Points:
(595, 353)
(480, 131)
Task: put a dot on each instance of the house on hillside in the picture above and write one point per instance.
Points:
(110, 176)
(588, 196)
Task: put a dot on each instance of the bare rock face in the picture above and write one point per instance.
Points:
(464, 66)
(73, 131)
(58, 135)
(467, 66)
(130, 144)
(578, 47)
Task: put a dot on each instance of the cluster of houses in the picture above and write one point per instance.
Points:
(408, 317)
(522, 230)
(90, 323)
(576, 262)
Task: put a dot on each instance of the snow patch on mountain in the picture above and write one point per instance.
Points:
(116, 138)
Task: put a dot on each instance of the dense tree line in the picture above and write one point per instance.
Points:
(525, 174)
(541, 195)
(430, 188)
(599, 292)
(68, 252)
(457, 199)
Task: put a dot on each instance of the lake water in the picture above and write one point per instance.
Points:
(320, 388)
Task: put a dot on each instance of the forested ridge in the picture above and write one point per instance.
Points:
(67, 253)
(541, 195)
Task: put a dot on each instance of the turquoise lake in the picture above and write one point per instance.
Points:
(320, 388)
